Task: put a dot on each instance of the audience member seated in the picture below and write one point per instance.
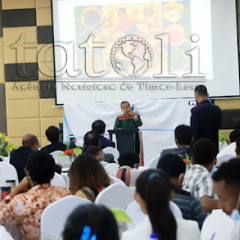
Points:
(19, 156)
(97, 152)
(52, 134)
(230, 149)
(127, 172)
(25, 209)
(175, 168)
(92, 139)
(198, 179)
(183, 139)
(4, 235)
(87, 177)
(99, 126)
(153, 193)
(91, 220)
(227, 187)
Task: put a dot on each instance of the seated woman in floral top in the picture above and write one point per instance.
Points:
(26, 209)
(87, 177)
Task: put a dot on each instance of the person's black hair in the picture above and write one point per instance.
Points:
(97, 217)
(99, 126)
(229, 172)
(234, 135)
(128, 159)
(93, 150)
(204, 152)
(172, 165)
(122, 10)
(40, 166)
(52, 134)
(154, 187)
(91, 138)
(184, 135)
(201, 90)
(123, 102)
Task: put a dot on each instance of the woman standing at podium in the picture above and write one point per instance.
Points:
(129, 120)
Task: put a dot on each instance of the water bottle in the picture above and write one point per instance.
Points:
(154, 236)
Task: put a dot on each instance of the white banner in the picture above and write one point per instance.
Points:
(159, 117)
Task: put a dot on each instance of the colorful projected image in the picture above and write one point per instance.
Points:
(116, 24)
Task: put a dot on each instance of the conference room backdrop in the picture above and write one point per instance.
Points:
(27, 103)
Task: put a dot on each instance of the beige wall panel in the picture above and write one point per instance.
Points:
(45, 53)
(226, 132)
(22, 90)
(44, 17)
(44, 141)
(43, 3)
(47, 109)
(18, 4)
(23, 109)
(19, 127)
(46, 70)
(12, 35)
(47, 122)
(11, 55)
(228, 104)
(2, 76)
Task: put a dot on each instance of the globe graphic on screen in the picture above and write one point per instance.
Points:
(131, 56)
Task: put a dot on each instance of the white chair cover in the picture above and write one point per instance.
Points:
(137, 216)
(58, 181)
(224, 158)
(64, 161)
(55, 215)
(115, 196)
(7, 172)
(5, 159)
(111, 168)
(113, 151)
(117, 180)
(153, 163)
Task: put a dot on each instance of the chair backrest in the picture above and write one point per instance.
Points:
(224, 158)
(113, 151)
(5, 159)
(111, 168)
(58, 181)
(117, 180)
(54, 216)
(137, 215)
(64, 161)
(153, 163)
(7, 172)
(115, 196)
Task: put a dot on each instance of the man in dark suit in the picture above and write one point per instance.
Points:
(206, 117)
(19, 156)
(52, 134)
(99, 126)
(183, 140)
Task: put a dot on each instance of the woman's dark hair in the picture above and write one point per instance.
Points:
(97, 217)
(94, 150)
(86, 171)
(40, 166)
(154, 187)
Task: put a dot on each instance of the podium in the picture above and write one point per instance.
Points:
(125, 139)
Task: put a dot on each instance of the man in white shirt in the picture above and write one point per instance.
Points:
(229, 151)
(227, 187)
(198, 179)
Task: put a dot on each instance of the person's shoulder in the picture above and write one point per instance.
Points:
(62, 190)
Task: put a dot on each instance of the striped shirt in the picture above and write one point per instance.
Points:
(198, 182)
(190, 207)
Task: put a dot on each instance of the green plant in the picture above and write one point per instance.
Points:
(5, 146)
(223, 139)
